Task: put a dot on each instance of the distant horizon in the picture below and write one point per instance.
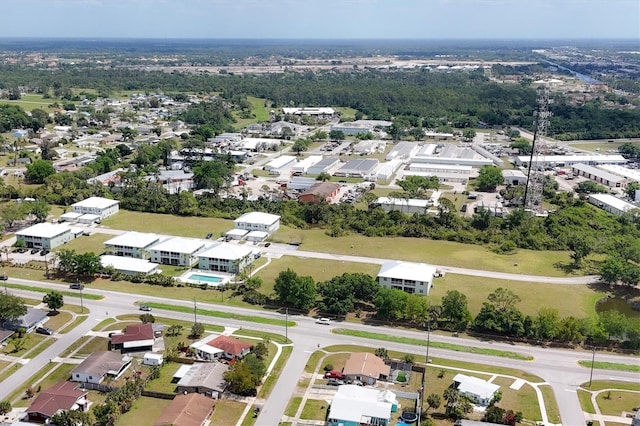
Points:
(326, 19)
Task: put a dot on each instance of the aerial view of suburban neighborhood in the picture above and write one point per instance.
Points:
(202, 225)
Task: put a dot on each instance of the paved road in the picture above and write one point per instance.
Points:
(557, 367)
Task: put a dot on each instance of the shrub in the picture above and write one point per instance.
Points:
(254, 297)
(402, 377)
(328, 367)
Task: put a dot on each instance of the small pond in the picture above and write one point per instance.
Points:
(612, 303)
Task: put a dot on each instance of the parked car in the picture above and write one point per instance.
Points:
(145, 308)
(333, 374)
(335, 382)
(35, 250)
(44, 330)
(44, 252)
(355, 382)
(323, 321)
(209, 235)
(249, 392)
(267, 244)
(77, 286)
(4, 277)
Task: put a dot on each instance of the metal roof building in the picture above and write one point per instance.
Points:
(598, 175)
(358, 168)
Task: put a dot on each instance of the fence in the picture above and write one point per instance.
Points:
(159, 395)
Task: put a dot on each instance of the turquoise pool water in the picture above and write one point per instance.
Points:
(205, 278)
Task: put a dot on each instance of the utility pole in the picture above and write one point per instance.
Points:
(195, 311)
(593, 359)
(286, 325)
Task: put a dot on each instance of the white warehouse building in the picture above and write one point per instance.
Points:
(611, 204)
(277, 165)
(302, 166)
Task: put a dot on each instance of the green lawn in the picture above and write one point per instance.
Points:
(525, 399)
(606, 384)
(144, 412)
(163, 383)
(610, 366)
(32, 340)
(197, 227)
(56, 321)
(227, 412)
(314, 410)
(348, 114)
(602, 146)
(613, 403)
(31, 102)
(585, 401)
(270, 381)
(439, 345)
(312, 362)
(553, 412)
(47, 290)
(87, 243)
(91, 345)
(533, 295)
(292, 408)
(429, 251)
(79, 320)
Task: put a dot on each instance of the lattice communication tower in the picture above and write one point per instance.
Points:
(535, 175)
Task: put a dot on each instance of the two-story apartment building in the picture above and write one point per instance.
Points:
(132, 244)
(45, 235)
(229, 258)
(407, 276)
(258, 221)
(177, 251)
(102, 207)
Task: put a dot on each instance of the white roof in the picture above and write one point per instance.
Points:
(182, 371)
(407, 271)
(96, 202)
(153, 355)
(89, 216)
(307, 162)
(258, 217)
(475, 386)
(585, 158)
(632, 174)
(237, 232)
(131, 264)
(258, 234)
(412, 202)
(355, 403)
(612, 201)
(133, 239)
(179, 245)
(432, 166)
(513, 173)
(598, 172)
(203, 346)
(227, 252)
(281, 161)
(44, 230)
(70, 215)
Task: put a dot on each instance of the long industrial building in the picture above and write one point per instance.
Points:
(570, 160)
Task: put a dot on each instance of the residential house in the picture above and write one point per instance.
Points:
(204, 378)
(136, 337)
(356, 406)
(177, 251)
(45, 235)
(129, 265)
(29, 321)
(407, 276)
(63, 396)
(221, 347)
(187, 410)
(229, 258)
(102, 207)
(132, 244)
(366, 367)
(322, 191)
(100, 365)
(258, 221)
(478, 390)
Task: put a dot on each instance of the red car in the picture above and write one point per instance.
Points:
(333, 374)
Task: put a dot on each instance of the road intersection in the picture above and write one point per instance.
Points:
(557, 367)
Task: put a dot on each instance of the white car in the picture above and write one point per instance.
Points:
(324, 321)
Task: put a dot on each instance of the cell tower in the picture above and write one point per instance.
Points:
(535, 175)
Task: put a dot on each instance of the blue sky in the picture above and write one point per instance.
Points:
(421, 19)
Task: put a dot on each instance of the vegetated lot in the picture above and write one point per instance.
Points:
(319, 269)
(31, 102)
(196, 227)
(525, 398)
(553, 412)
(87, 243)
(144, 412)
(597, 385)
(533, 295)
(314, 409)
(615, 402)
(260, 112)
(292, 408)
(227, 412)
(270, 381)
(585, 401)
(60, 373)
(93, 344)
(428, 251)
(76, 322)
(56, 321)
(163, 383)
(602, 145)
(31, 341)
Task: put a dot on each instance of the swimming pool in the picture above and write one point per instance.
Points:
(205, 277)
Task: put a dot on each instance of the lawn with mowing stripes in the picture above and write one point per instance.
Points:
(219, 314)
(610, 366)
(47, 290)
(439, 345)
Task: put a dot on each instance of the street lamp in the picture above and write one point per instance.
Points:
(81, 301)
(593, 359)
(286, 323)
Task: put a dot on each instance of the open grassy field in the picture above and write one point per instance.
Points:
(197, 227)
(615, 402)
(31, 340)
(270, 381)
(31, 102)
(76, 322)
(533, 295)
(347, 113)
(56, 321)
(429, 251)
(292, 408)
(314, 409)
(525, 398)
(602, 146)
(94, 344)
(144, 412)
(319, 269)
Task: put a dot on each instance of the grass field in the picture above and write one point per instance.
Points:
(87, 243)
(79, 320)
(31, 341)
(553, 412)
(536, 295)
(525, 398)
(615, 402)
(439, 345)
(314, 410)
(429, 251)
(47, 290)
(606, 384)
(144, 412)
(270, 381)
(610, 366)
(292, 408)
(56, 321)
(93, 344)
(347, 113)
(197, 227)
(31, 102)
(602, 146)
(585, 401)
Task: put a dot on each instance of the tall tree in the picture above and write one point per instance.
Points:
(297, 291)
(54, 300)
(489, 178)
(39, 170)
(455, 309)
(11, 307)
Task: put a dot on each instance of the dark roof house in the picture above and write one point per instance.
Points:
(137, 337)
(62, 396)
